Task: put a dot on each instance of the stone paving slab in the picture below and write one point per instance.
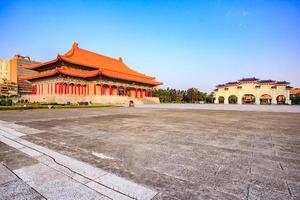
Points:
(110, 193)
(6, 175)
(10, 142)
(18, 129)
(11, 187)
(74, 170)
(18, 190)
(126, 187)
(54, 185)
(31, 152)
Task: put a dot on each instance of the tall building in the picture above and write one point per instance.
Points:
(8, 81)
(253, 91)
(80, 75)
(10, 71)
(4, 70)
(17, 63)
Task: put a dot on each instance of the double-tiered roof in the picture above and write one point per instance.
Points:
(96, 64)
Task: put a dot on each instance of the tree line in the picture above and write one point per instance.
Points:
(191, 95)
(295, 99)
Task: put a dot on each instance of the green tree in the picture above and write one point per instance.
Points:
(295, 99)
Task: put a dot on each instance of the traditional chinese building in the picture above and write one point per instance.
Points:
(84, 76)
(253, 91)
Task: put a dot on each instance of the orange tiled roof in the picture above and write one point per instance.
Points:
(63, 70)
(114, 68)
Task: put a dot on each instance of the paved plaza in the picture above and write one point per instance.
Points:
(151, 152)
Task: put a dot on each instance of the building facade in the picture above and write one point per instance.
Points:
(253, 91)
(10, 71)
(17, 63)
(4, 70)
(84, 76)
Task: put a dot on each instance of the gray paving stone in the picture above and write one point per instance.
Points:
(106, 191)
(126, 187)
(31, 152)
(11, 131)
(54, 185)
(257, 193)
(10, 142)
(18, 190)
(6, 175)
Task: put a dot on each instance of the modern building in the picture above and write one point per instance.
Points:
(253, 91)
(17, 63)
(10, 71)
(80, 75)
(5, 70)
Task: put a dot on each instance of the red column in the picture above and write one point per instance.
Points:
(102, 89)
(42, 91)
(84, 90)
(141, 93)
(136, 93)
(124, 93)
(95, 89)
(75, 89)
(79, 89)
(110, 90)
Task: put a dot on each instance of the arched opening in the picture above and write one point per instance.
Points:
(105, 89)
(265, 99)
(248, 99)
(221, 99)
(232, 99)
(114, 90)
(121, 91)
(280, 99)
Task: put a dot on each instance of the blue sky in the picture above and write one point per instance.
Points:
(183, 43)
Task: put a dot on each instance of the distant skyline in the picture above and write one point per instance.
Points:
(182, 43)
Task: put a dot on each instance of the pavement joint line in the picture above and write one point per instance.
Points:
(70, 176)
(23, 146)
(22, 180)
(91, 180)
